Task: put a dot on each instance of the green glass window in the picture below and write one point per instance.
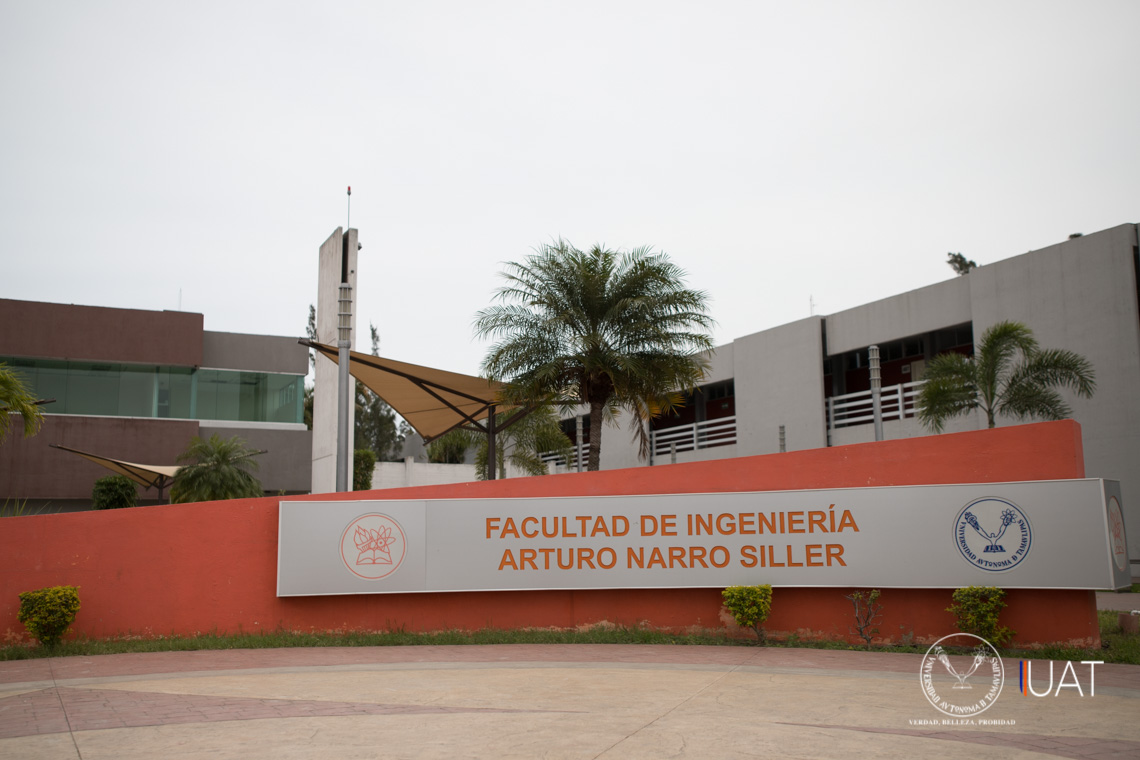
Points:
(139, 390)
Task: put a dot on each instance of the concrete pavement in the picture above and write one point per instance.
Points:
(529, 701)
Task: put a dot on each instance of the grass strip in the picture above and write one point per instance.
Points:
(1117, 646)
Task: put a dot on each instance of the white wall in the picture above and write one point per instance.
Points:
(779, 381)
(413, 473)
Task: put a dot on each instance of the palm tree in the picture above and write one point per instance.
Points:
(522, 444)
(219, 469)
(1009, 374)
(616, 331)
(534, 435)
(15, 398)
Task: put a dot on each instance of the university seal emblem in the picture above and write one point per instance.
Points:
(962, 675)
(373, 546)
(993, 534)
(1116, 534)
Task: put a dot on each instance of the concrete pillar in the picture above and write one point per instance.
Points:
(339, 245)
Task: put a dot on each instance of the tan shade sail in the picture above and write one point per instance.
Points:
(149, 475)
(433, 401)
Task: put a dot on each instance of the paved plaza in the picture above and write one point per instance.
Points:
(531, 701)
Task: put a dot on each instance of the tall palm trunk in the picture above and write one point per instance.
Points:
(594, 460)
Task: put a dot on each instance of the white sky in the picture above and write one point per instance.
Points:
(779, 152)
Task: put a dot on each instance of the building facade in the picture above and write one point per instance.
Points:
(805, 385)
(137, 386)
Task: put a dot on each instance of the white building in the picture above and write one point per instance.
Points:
(797, 386)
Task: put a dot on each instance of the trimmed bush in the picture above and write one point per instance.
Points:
(363, 463)
(977, 609)
(114, 492)
(48, 613)
(749, 606)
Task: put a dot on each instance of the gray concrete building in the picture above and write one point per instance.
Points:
(806, 384)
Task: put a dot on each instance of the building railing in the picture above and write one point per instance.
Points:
(664, 442)
(697, 435)
(570, 463)
(898, 402)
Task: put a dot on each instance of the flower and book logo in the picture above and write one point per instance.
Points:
(373, 546)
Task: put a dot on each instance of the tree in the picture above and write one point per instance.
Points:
(616, 331)
(311, 333)
(377, 426)
(1008, 374)
(218, 469)
(960, 263)
(524, 443)
(451, 447)
(363, 463)
(17, 398)
(114, 492)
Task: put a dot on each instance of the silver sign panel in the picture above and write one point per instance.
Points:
(1044, 534)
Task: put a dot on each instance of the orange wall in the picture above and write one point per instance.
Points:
(212, 566)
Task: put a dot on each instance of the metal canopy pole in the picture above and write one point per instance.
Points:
(491, 443)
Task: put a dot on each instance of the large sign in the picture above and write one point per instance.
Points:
(1044, 534)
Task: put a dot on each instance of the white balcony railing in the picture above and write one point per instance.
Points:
(553, 457)
(898, 402)
(697, 435)
(662, 443)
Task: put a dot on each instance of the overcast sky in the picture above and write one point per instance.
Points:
(783, 154)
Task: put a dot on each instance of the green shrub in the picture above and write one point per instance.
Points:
(363, 463)
(48, 613)
(977, 609)
(867, 611)
(749, 606)
(114, 492)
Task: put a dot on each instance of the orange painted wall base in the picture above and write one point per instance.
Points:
(187, 568)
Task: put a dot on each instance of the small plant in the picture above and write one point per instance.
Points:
(977, 609)
(867, 611)
(114, 492)
(749, 606)
(17, 508)
(48, 613)
(363, 463)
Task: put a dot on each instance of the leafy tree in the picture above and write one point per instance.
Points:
(311, 334)
(451, 447)
(17, 398)
(218, 469)
(377, 426)
(1008, 374)
(307, 406)
(615, 331)
(524, 443)
(363, 463)
(114, 492)
(960, 263)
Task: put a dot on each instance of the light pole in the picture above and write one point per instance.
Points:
(344, 341)
(876, 392)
